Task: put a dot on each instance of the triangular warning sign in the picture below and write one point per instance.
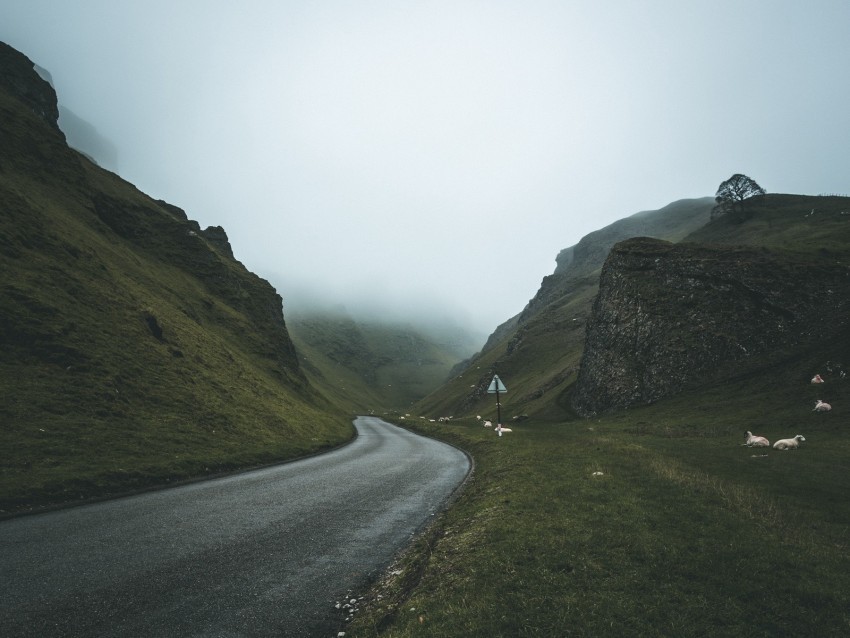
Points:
(496, 385)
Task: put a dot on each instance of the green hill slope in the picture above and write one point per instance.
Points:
(539, 357)
(135, 349)
(370, 365)
(647, 515)
(537, 353)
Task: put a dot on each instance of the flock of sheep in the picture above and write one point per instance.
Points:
(489, 424)
(790, 444)
(753, 440)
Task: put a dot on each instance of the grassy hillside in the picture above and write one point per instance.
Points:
(135, 349)
(539, 358)
(369, 365)
(685, 532)
(798, 223)
(537, 353)
(656, 520)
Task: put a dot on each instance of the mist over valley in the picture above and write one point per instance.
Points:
(228, 233)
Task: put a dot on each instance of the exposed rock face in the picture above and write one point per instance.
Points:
(18, 77)
(216, 236)
(670, 317)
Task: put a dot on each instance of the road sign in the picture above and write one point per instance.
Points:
(496, 386)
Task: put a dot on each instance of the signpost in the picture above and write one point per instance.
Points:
(496, 386)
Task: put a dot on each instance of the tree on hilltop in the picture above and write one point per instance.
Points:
(732, 194)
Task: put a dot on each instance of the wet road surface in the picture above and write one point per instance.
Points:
(265, 553)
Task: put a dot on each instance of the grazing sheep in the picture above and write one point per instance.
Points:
(756, 441)
(817, 379)
(820, 406)
(789, 444)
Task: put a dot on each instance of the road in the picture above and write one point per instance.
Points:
(265, 553)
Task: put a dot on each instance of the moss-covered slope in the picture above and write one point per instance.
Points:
(134, 349)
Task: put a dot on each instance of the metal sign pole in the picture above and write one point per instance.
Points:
(498, 409)
(495, 388)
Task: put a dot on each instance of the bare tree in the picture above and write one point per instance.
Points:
(732, 194)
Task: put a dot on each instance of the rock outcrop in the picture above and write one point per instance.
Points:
(671, 317)
(18, 78)
(216, 236)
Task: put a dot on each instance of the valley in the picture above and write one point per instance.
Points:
(139, 353)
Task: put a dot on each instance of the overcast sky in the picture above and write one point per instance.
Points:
(444, 152)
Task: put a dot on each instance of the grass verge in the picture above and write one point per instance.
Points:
(685, 533)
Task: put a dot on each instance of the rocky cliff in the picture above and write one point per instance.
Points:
(19, 79)
(672, 317)
(539, 349)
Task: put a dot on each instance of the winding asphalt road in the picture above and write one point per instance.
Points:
(265, 553)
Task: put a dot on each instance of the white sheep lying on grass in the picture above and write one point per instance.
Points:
(789, 444)
(756, 441)
(820, 406)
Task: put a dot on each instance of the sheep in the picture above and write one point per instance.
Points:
(820, 406)
(789, 444)
(756, 441)
(817, 379)
(487, 424)
(500, 429)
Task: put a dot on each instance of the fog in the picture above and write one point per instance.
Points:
(434, 157)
